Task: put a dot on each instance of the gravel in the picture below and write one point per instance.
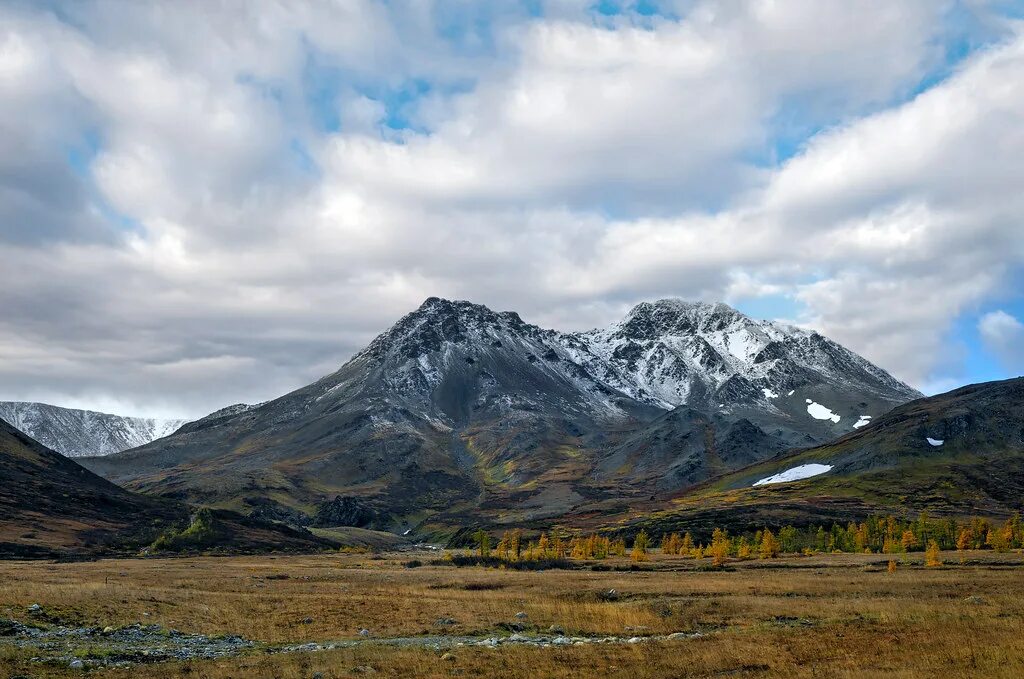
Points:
(134, 644)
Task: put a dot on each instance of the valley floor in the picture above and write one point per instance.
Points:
(828, 615)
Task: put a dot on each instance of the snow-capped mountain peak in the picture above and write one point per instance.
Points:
(672, 352)
(665, 353)
(77, 433)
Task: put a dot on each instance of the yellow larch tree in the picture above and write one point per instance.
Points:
(932, 559)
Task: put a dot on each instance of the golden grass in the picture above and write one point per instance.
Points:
(835, 615)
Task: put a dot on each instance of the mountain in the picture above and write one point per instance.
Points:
(959, 453)
(50, 506)
(709, 356)
(458, 413)
(76, 433)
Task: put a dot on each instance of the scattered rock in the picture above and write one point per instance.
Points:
(634, 640)
(307, 621)
(446, 621)
(35, 609)
(121, 645)
(975, 600)
(448, 656)
(363, 669)
(364, 632)
(76, 665)
(269, 510)
(521, 615)
(345, 511)
(555, 629)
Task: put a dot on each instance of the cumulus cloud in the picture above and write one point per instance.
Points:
(201, 206)
(1004, 335)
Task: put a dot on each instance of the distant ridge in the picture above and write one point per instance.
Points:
(76, 433)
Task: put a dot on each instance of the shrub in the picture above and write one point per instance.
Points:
(203, 531)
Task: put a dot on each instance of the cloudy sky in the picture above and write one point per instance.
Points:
(207, 202)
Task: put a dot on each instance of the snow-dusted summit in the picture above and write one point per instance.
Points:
(76, 433)
(671, 352)
(449, 358)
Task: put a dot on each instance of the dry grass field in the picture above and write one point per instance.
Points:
(819, 616)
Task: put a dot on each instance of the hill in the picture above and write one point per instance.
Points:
(955, 454)
(52, 507)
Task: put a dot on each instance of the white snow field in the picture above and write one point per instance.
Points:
(934, 442)
(820, 412)
(804, 471)
(862, 422)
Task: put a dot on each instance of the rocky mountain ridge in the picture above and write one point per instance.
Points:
(77, 433)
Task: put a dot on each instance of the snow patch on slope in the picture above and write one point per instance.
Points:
(820, 412)
(934, 442)
(864, 421)
(804, 471)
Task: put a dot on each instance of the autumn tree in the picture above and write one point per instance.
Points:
(544, 546)
(931, 555)
(719, 547)
(908, 541)
(503, 547)
(964, 540)
(483, 543)
(687, 545)
(515, 544)
(861, 539)
(1013, 530)
(640, 543)
(671, 543)
(996, 539)
(769, 545)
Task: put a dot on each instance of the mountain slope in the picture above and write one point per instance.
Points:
(52, 506)
(458, 409)
(76, 433)
(959, 453)
(712, 358)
